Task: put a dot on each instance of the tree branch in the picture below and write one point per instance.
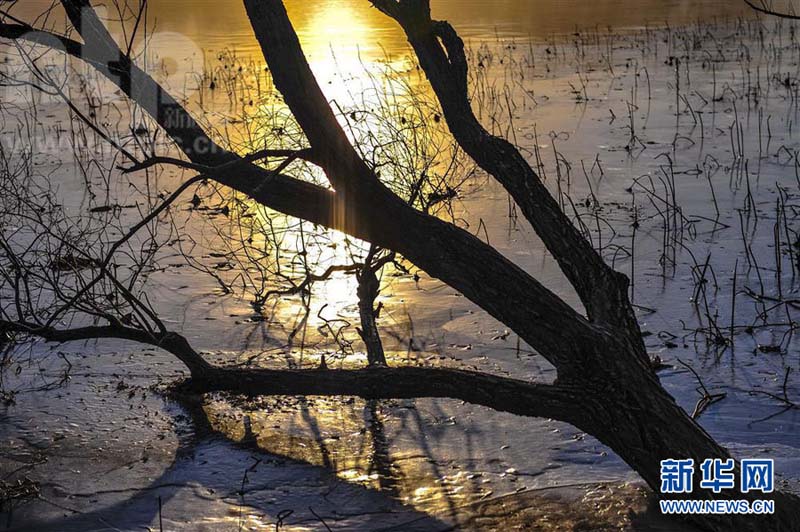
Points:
(499, 393)
(441, 54)
(443, 250)
(169, 341)
(283, 193)
(209, 172)
(764, 9)
(361, 206)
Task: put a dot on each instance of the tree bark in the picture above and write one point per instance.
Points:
(643, 425)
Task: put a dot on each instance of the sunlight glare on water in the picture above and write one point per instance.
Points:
(352, 25)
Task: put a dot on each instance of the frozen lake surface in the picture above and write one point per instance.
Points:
(680, 141)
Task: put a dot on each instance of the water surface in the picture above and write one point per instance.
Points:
(351, 24)
(444, 453)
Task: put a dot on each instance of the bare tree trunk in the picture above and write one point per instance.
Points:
(367, 293)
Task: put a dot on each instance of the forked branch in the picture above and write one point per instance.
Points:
(441, 54)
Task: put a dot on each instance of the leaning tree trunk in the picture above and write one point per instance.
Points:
(617, 396)
(626, 408)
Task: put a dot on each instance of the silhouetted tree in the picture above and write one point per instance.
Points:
(606, 384)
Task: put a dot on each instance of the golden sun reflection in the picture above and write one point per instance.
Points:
(332, 26)
(334, 53)
(344, 45)
(351, 438)
(388, 112)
